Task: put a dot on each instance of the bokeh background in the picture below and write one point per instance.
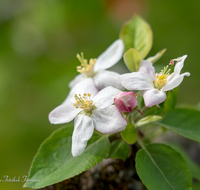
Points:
(39, 40)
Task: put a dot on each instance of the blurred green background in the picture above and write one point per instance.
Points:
(39, 40)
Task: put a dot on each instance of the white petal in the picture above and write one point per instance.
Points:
(105, 97)
(68, 98)
(83, 130)
(85, 86)
(136, 81)
(174, 82)
(108, 120)
(76, 80)
(64, 113)
(111, 56)
(107, 78)
(147, 67)
(179, 65)
(153, 97)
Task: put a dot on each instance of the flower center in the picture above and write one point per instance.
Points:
(84, 102)
(161, 78)
(86, 68)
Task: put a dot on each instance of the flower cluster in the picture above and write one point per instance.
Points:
(96, 101)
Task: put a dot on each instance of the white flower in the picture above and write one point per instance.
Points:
(96, 67)
(154, 84)
(91, 109)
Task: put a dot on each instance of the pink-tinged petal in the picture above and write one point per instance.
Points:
(179, 65)
(153, 97)
(147, 67)
(136, 81)
(83, 130)
(105, 97)
(174, 82)
(132, 102)
(108, 120)
(121, 106)
(76, 80)
(64, 113)
(111, 56)
(125, 101)
(85, 86)
(107, 78)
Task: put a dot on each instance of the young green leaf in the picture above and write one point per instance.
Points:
(137, 34)
(132, 58)
(119, 150)
(147, 120)
(161, 167)
(129, 134)
(185, 122)
(54, 162)
(194, 168)
(156, 57)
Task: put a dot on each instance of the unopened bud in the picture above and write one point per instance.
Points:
(125, 101)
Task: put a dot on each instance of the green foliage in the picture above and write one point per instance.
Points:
(185, 122)
(171, 100)
(196, 186)
(194, 168)
(54, 162)
(161, 167)
(132, 58)
(147, 120)
(137, 34)
(119, 150)
(156, 57)
(129, 134)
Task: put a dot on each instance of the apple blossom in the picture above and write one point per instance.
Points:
(96, 67)
(125, 101)
(91, 110)
(154, 84)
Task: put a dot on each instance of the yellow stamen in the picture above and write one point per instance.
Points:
(161, 79)
(86, 68)
(84, 102)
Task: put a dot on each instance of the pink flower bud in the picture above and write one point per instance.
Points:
(125, 101)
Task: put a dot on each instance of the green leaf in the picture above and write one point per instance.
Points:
(194, 168)
(147, 120)
(54, 162)
(137, 34)
(129, 134)
(156, 57)
(171, 100)
(196, 186)
(185, 122)
(132, 58)
(161, 167)
(119, 150)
